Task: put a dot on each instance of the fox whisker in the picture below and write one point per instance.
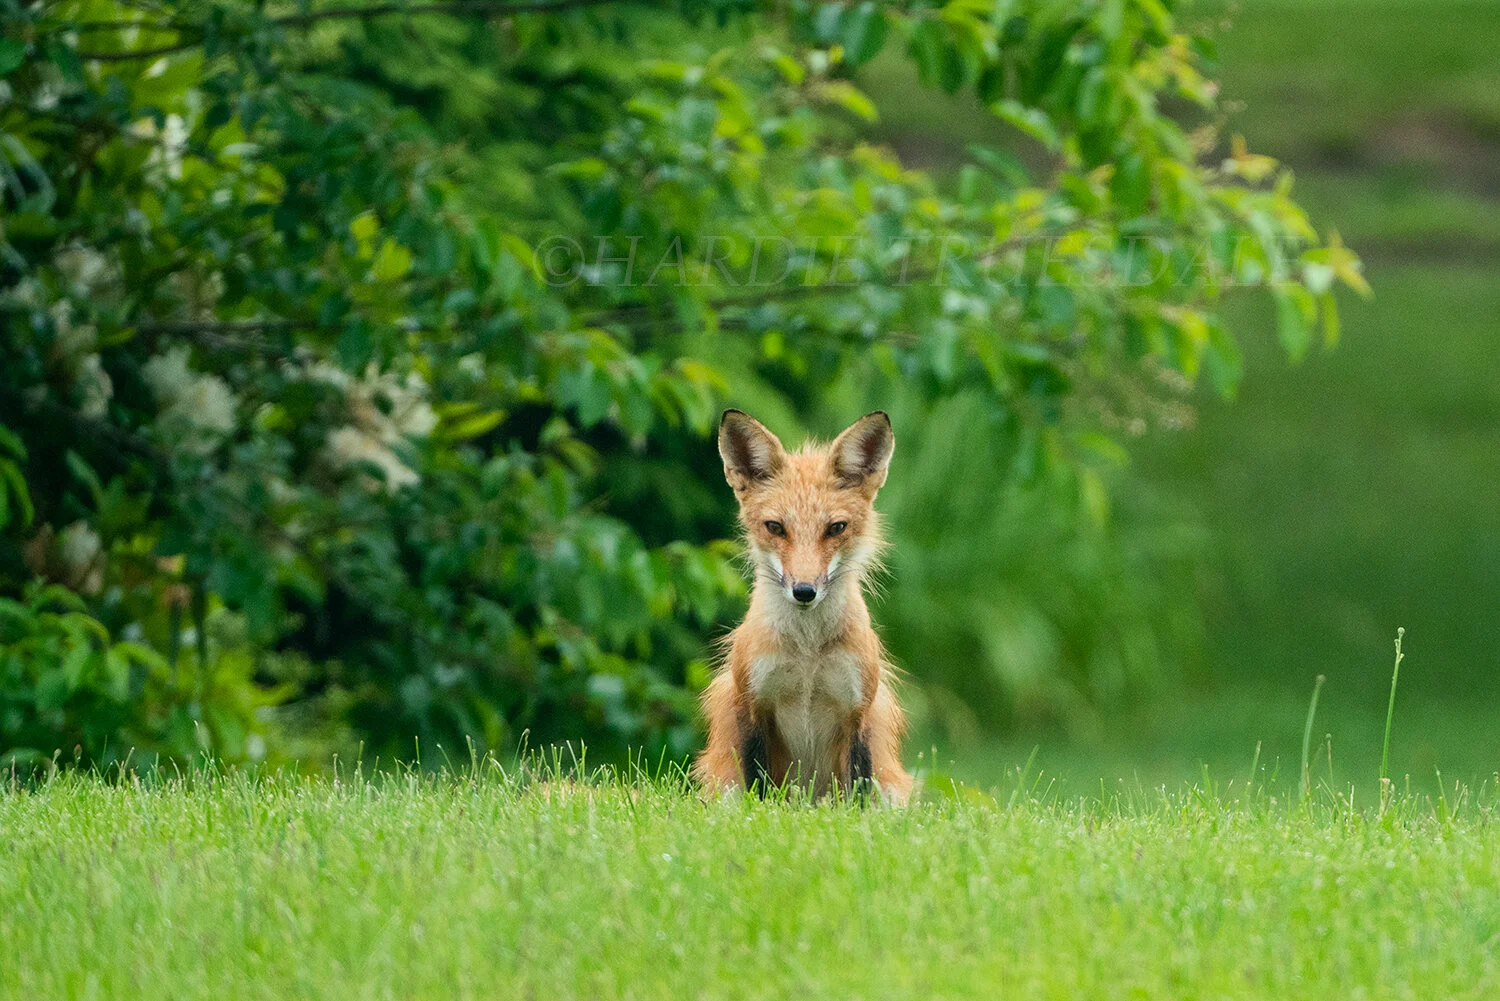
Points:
(778, 579)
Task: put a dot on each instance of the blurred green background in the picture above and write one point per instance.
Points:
(1359, 490)
(304, 449)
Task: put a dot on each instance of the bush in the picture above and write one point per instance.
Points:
(68, 687)
(1027, 601)
(400, 335)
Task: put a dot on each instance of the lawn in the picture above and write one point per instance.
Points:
(1223, 733)
(486, 887)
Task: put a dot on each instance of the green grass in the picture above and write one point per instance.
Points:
(1216, 732)
(1321, 77)
(1356, 493)
(455, 888)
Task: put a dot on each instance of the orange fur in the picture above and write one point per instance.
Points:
(809, 674)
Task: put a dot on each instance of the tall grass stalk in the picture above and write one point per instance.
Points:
(1312, 712)
(1390, 712)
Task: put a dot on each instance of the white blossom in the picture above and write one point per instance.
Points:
(81, 549)
(72, 340)
(197, 409)
(349, 445)
(86, 270)
(170, 142)
(385, 409)
(94, 386)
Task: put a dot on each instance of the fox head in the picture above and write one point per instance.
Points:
(809, 516)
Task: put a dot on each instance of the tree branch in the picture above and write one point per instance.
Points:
(232, 335)
(121, 57)
(221, 326)
(785, 293)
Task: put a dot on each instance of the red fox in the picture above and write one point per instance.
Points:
(805, 693)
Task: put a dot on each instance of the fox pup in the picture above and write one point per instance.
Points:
(805, 695)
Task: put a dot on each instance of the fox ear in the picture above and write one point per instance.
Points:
(862, 454)
(750, 452)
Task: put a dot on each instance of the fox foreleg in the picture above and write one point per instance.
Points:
(861, 767)
(755, 756)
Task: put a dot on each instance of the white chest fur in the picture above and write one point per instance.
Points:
(811, 696)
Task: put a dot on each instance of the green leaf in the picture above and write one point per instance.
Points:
(391, 263)
(12, 443)
(588, 168)
(364, 227)
(523, 254)
(11, 474)
(12, 55)
(1032, 121)
(594, 398)
(1296, 312)
(1103, 446)
(790, 69)
(850, 98)
(1094, 496)
(1330, 320)
(75, 665)
(863, 30)
(1223, 362)
(937, 64)
(65, 58)
(474, 425)
(143, 655)
(826, 22)
(354, 345)
(117, 674)
(51, 690)
(217, 115)
(85, 474)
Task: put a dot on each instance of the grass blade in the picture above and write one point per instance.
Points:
(1312, 712)
(1390, 712)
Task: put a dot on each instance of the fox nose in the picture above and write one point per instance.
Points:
(804, 592)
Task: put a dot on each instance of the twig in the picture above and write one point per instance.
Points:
(223, 326)
(782, 293)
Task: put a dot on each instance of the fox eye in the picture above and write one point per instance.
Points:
(837, 528)
(776, 528)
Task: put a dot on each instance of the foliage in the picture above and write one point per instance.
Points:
(400, 332)
(1045, 605)
(67, 685)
